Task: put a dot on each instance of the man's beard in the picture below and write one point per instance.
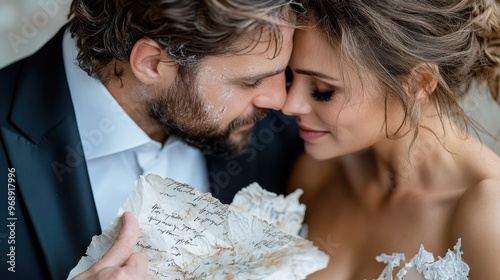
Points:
(181, 112)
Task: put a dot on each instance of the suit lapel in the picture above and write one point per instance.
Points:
(54, 186)
(50, 167)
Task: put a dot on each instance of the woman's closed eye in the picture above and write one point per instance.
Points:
(322, 96)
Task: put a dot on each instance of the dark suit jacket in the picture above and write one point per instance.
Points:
(54, 215)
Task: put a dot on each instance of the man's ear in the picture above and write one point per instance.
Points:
(145, 62)
(422, 81)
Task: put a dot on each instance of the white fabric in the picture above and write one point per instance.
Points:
(451, 267)
(117, 151)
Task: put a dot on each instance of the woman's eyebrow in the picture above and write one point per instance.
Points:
(313, 74)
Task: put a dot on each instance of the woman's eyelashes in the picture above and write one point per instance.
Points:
(322, 96)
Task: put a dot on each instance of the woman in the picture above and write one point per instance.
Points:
(390, 168)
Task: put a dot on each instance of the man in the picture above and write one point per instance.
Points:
(168, 80)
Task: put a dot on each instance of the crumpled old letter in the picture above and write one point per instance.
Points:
(191, 235)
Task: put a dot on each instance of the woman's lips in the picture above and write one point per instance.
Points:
(309, 134)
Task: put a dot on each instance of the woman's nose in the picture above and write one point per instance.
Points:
(296, 102)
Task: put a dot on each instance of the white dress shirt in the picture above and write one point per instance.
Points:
(117, 151)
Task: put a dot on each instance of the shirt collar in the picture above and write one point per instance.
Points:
(105, 128)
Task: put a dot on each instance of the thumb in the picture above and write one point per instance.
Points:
(124, 244)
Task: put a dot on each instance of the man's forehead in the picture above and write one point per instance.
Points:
(263, 60)
(265, 42)
(240, 70)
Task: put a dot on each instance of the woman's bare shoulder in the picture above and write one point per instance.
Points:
(477, 223)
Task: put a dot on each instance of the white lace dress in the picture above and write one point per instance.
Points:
(424, 266)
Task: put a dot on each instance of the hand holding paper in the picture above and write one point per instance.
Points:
(120, 262)
(191, 235)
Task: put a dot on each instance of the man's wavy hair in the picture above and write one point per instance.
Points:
(189, 30)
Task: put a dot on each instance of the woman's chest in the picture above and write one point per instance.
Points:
(353, 237)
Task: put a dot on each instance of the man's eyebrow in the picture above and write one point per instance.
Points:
(313, 74)
(260, 76)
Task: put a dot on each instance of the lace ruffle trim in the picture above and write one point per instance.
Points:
(450, 267)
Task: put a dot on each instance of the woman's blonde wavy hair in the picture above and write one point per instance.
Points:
(391, 37)
(486, 23)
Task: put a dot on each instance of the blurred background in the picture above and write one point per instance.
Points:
(25, 25)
